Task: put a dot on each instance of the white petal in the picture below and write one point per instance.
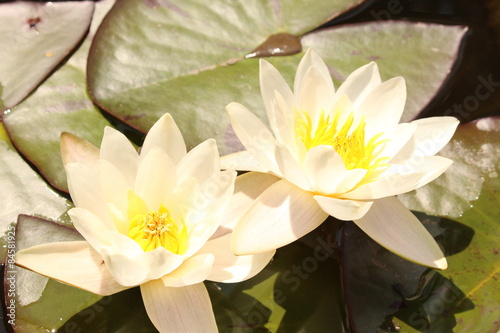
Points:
(125, 271)
(154, 264)
(91, 227)
(285, 130)
(254, 135)
(343, 209)
(271, 82)
(156, 178)
(228, 267)
(394, 227)
(193, 270)
(175, 310)
(324, 167)
(247, 188)
(117, 150)
(384, 187)
(77, 150)
(205, 211)
(383, 106)
(359, 84)
(241, 161)
(165, 135)
(114, 186)
(291, 169)
(431, 166)
(405, 177)
(312, 60)
(75, 263)
(280, 215)
(85, 189)
(316, 93)
(433, 134)
(159, 262)
(201, 162)
(206, 207)
(396, 140)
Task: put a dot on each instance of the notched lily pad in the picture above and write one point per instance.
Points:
(36, 36)
(186, 58)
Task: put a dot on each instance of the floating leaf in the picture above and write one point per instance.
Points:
(184, 57)
(476, 270)
(196, 81)
(378, 283)
(35, 38)
(475, 151)
(60, 104)
(23, 191)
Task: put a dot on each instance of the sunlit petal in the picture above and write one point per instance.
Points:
(228, 267)
(343, 209)
(175, 310)
(75, 263)
(393, 226)
(280, 215)
(193, 270)
(165, 135)
(254, 135)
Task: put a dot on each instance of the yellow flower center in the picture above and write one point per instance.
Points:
(155, 229)
(347, 139)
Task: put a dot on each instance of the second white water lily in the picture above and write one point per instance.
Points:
(341, 153)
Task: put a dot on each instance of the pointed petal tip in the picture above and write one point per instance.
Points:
(441, 264)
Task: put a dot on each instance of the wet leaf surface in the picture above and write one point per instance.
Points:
(475, 151)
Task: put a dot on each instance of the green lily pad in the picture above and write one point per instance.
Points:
(184, 57)
(38, 311)
(60, 104)
(138, 74)
(24, 192)
(475, 271)
(35, 38)
(475, 151)
(379, 284)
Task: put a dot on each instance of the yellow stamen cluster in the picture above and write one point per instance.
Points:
(155, 229)
(347, 139)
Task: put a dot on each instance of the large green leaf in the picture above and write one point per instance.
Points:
(475, 151)
(184, 57)
(23, 191)
(35, 38)
(60, 104)
(36, 311)
(138, 69)
(474, 271)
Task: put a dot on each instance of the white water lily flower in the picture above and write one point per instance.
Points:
(149, 220)
(341, 153)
